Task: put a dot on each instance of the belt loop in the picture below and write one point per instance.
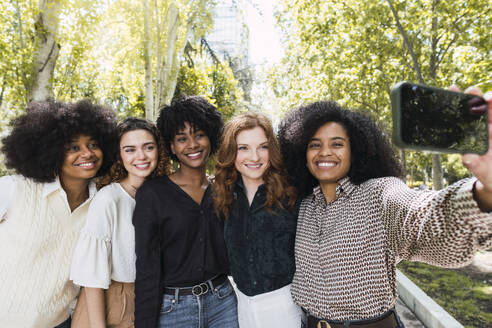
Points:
(347, 324)
(398, 321)
(212, 287)
(176, 295)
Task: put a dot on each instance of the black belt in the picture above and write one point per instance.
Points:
(388, 319)
(199, 289)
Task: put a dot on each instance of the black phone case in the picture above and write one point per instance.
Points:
(397, 119)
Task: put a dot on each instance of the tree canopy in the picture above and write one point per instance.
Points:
(354, 51)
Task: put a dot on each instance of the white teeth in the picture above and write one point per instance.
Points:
(142, 166)
(194, 154)
(86, 165)
(254, 166)
(326, 164)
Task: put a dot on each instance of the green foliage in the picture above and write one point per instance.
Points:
(215, 81)
(16, 46)
(353, 51)
(467, 299)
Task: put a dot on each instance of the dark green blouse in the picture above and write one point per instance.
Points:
(260, 243)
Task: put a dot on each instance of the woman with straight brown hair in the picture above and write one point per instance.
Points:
(252, 194)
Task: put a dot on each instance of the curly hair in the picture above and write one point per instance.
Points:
(195, 110)
(226, 174)
(372, 155)
(117, 171)
(35, 147)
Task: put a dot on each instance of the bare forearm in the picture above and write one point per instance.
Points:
(95, 307)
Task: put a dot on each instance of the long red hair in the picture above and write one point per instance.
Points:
(275, 176)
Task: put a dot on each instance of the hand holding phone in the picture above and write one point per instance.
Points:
(464, 113)
(426, 118)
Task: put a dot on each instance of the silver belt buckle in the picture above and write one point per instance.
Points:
(200, 289)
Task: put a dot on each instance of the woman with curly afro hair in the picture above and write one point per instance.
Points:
(358, 219)
(104, 257)
(56, 149)
(253, 195)
(181, 278)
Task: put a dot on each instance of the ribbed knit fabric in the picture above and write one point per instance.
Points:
(36, 245)
(346, 250)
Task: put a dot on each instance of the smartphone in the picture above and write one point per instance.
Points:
(438, 120)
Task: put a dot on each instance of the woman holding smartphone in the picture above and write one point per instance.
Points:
(358, 220)
(182, 266)
(104, 258)
(253, 196)
(56, 149)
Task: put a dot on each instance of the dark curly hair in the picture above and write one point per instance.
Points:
(118, 171)
(372, 155)
(35, 147)
(198, 112)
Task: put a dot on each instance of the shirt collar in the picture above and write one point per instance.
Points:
(240, 184)
(51, 187)
(344, 189)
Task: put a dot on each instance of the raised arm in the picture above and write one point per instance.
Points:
(444, 228)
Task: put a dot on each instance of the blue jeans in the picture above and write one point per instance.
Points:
(65, 324)
(215, 309)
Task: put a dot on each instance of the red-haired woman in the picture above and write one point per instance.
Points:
(258, 205)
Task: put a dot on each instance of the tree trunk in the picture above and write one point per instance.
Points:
(170, 56)
(437, 176)
(46, 51)
(403, 163)
(436, 158)
(172, 79)
(436, 172)
(149, 89)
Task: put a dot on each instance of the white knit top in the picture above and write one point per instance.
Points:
(106, 247)
(37, 238)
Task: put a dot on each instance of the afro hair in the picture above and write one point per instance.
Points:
(198, 112)
(35, 147)
(372, 155)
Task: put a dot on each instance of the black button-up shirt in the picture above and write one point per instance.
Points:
(260, 243)
(178, 243)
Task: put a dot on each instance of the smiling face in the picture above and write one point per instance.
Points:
(139, 153)
(252, 157)
(328, 155)
(191, 147)
(83, 158)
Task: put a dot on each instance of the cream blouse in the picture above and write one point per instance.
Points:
(105, 250)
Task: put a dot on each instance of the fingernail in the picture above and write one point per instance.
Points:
(478, 109)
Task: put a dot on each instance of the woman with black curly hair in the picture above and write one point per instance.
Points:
(182, 265)
(56, 149)
(104, 257)
(358, 219)
(253, 195)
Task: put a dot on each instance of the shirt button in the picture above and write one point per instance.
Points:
(201, 212)
(254, 283)
(199, 269)
(251, 260)
(201, 239)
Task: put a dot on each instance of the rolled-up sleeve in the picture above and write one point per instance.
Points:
(148, 265)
